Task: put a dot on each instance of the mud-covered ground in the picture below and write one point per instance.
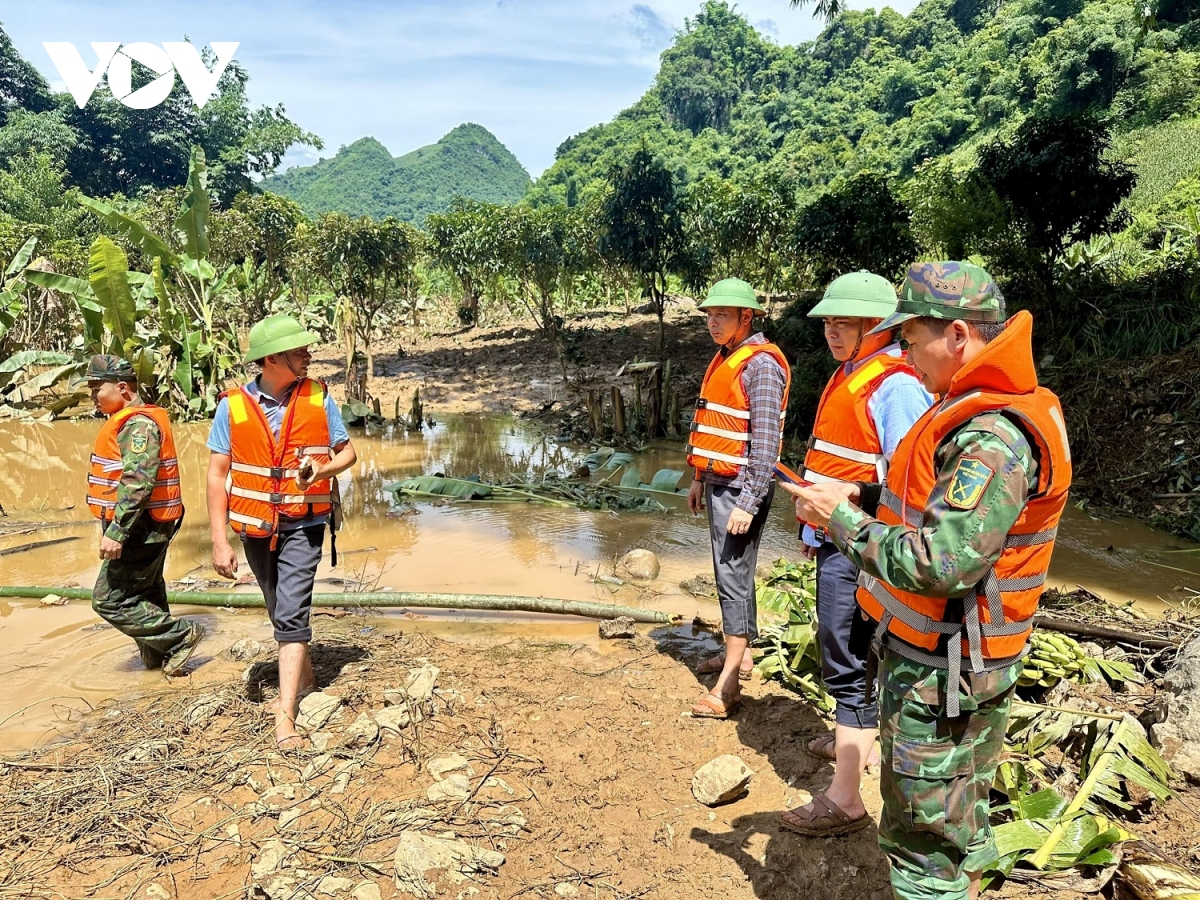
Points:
(580, 768)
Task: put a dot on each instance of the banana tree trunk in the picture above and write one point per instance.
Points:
(386, 599)
(1146, 874)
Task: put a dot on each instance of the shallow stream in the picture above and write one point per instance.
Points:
(56, 661)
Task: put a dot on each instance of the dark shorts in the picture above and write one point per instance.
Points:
(735, 557)
(286, 576)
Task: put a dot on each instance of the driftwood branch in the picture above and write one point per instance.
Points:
(1080, 629)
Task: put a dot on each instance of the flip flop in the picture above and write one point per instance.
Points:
(710, 706)
(715, 664)
(825, 819)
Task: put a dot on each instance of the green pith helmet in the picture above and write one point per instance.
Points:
(857, 295)
(277, 334)
(733, 292)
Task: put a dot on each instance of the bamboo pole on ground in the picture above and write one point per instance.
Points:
(386, 599)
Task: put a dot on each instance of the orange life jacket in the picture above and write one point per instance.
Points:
(263, 469)
(720, 438)
(993, 623)
(845, 443)
(166, 499)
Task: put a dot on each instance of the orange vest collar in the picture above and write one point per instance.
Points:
(1005, 365)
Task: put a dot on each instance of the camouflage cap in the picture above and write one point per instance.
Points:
(105, 367)
(947, 290)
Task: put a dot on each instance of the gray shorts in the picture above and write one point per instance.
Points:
(286, 576)
(735, 557)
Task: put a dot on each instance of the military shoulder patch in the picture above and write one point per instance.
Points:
(137, 443)
(969, 481)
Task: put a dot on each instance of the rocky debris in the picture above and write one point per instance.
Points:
(318, 765)
(565, 889)
(234, 834)
(418, 688)
(203, 709)
(455, 787)
(156, 892)
(443, 764)
(620, 627)
(333, 885)
(282, 887)
(509, 818)
(56, 600)
(272, 857)
(288, 816)
(320, 740)
(276, 798)
(700, 586)
(363, 733)
(394, 719)
(721, 780)
(366, 890)
(1176, 733)
(417, 854)
(316, 709)
(246, 649)
(341, 780)
(640, 565)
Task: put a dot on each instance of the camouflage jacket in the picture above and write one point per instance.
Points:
(139, 440)
(954, 547)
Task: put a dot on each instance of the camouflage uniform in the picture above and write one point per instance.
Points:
(938, 770)
(131, 592)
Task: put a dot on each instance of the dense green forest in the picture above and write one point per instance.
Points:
(363, 179)
(1057, 142)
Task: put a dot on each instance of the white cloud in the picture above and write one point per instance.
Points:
(534, 72)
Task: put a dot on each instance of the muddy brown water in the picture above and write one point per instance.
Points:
(57, 662)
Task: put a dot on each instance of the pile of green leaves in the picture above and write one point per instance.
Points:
(788, 650)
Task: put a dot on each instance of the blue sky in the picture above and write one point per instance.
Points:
(533, 72)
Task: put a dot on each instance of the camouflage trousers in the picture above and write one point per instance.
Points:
(936, 776)
(131, 595)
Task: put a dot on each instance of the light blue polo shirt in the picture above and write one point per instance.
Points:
(220, 441)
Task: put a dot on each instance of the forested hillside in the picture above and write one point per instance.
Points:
(363, 179)
(882, 92)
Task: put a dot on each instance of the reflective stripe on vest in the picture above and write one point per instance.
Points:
(165, 503)
(845, 444)
(719, 441)
(263, 469)
(997, 613)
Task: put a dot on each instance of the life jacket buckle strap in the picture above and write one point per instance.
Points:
(276, 497)
(277, 472)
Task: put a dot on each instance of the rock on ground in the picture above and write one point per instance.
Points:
(316, 709)
(367, 890)
(394, 719)
(272, 856)
(417, 688)
(1177, 733)
(246, 649)
(620, 627)
(641, 565)
(362, 733)
(455, 787)
(417, 854)
(443, 764)
(721, 780)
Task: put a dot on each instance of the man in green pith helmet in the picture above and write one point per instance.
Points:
(133, 489)
(953, 551)
(280, 442)
(870, 403)
(733, 447)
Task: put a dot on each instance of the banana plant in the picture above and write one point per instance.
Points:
(12, 288)
(167, 322)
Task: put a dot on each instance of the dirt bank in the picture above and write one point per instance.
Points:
(511, 368)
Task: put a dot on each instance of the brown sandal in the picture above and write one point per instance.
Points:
(825, 819)
(712, 706)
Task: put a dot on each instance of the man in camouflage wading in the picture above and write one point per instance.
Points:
(954, 550)
(133, 489)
